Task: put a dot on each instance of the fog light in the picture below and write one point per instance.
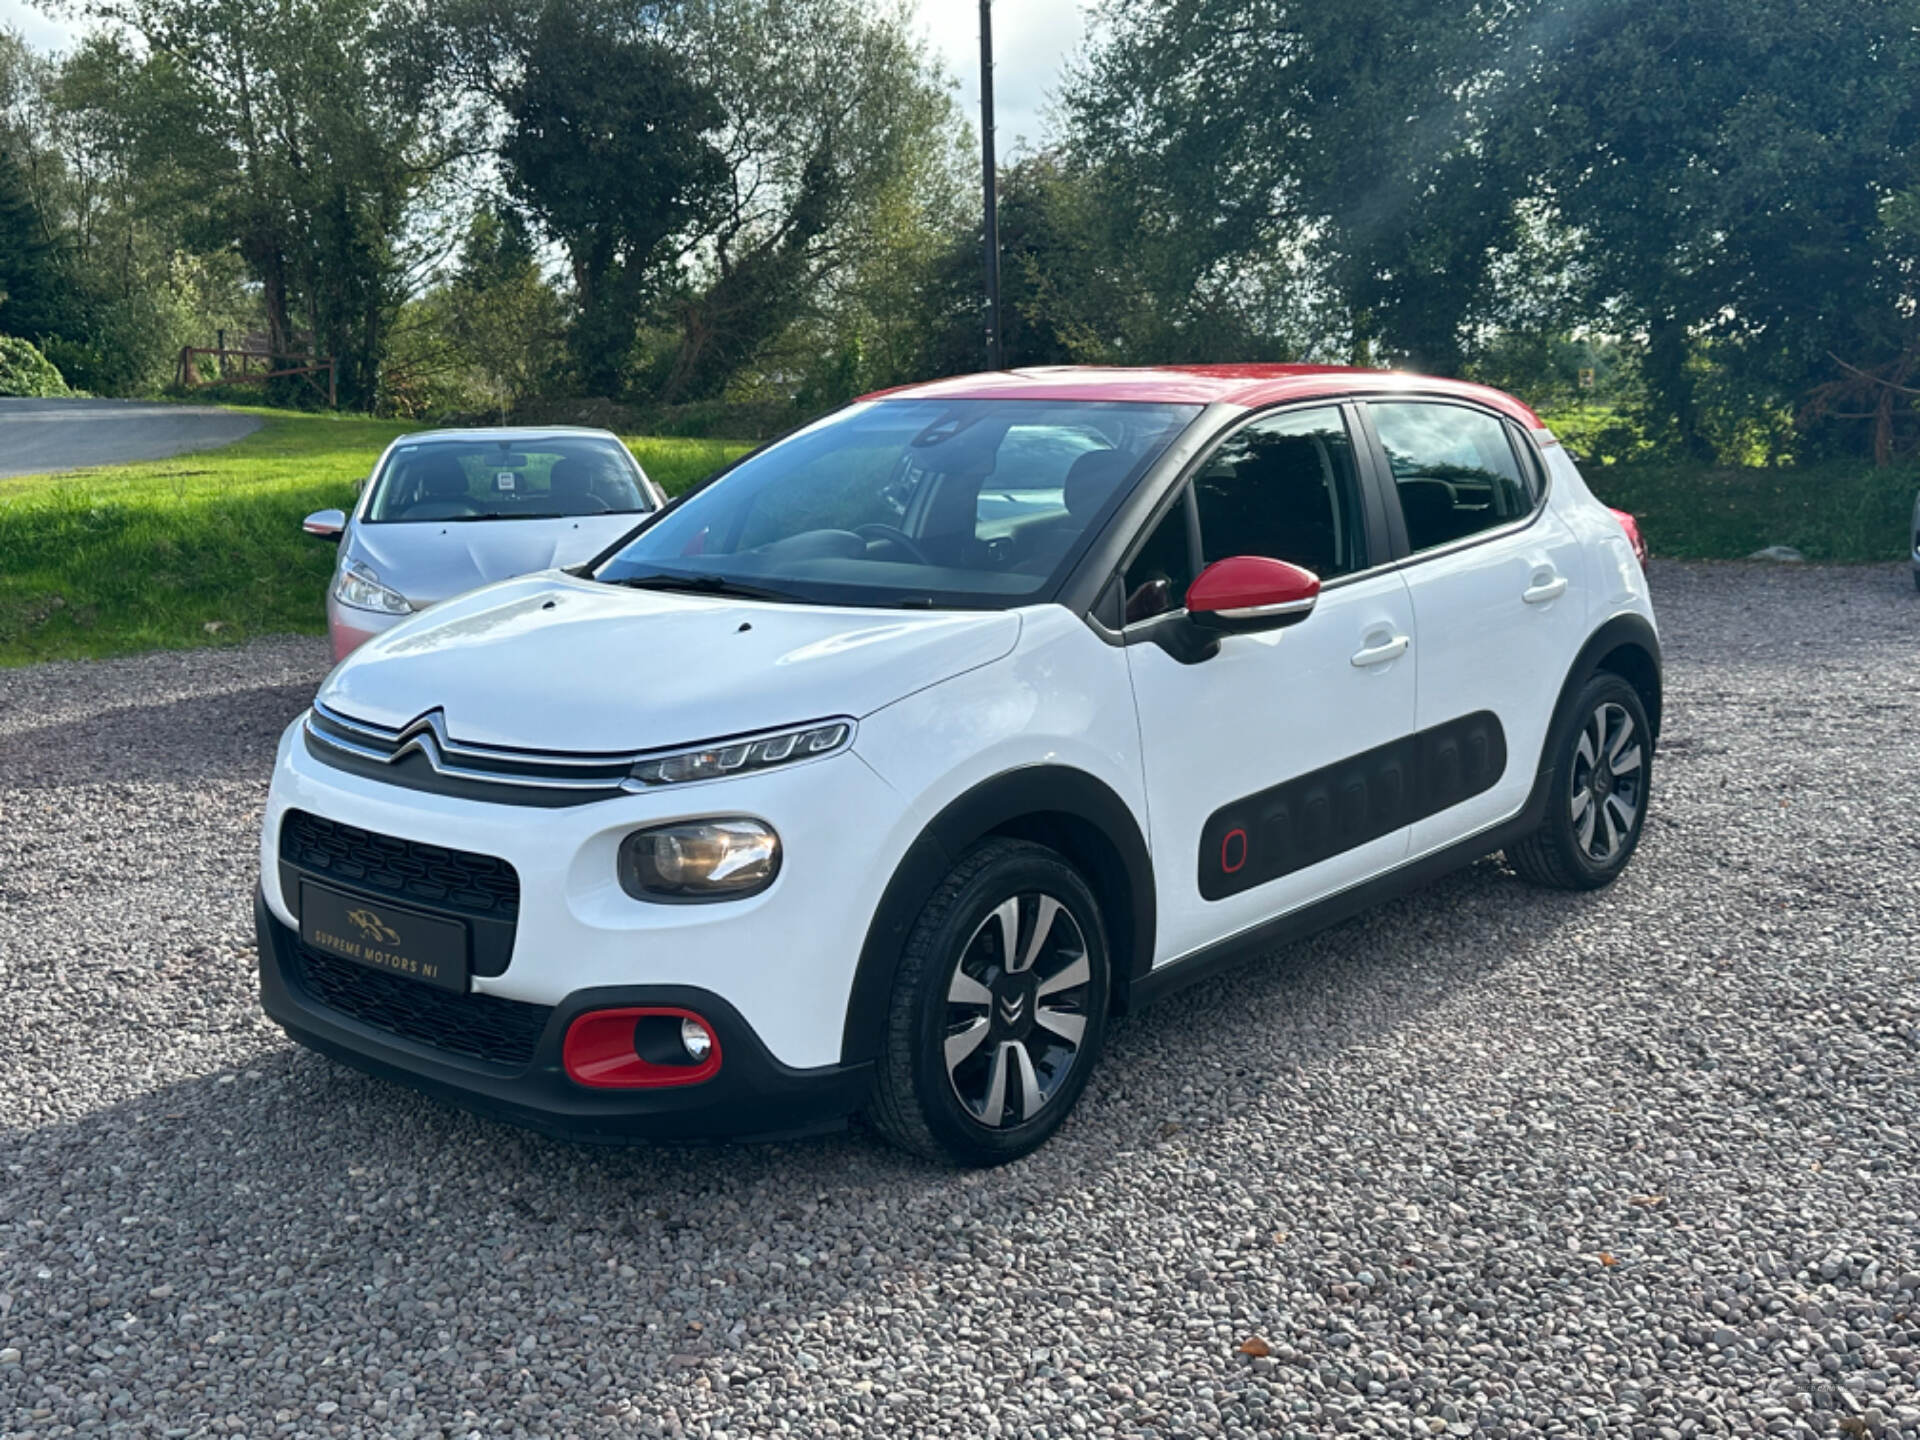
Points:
(640, 1047)
(695, 1039)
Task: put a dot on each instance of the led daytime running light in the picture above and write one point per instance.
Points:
(712, 762)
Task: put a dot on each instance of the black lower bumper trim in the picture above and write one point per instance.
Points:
(753, 1097)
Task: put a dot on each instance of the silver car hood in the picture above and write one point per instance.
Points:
(431, 561)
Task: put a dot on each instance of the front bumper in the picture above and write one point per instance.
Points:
(752, 1096)
(784, 959)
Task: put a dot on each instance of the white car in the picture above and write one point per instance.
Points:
(876, 774)
(448, 510)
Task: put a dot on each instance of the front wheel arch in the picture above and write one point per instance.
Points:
(1067, 810)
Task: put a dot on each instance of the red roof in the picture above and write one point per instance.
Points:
(1249, 385)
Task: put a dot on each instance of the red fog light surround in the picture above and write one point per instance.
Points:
(636, 1048)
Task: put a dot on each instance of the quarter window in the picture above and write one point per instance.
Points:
(1157, 580)
(1454, 469)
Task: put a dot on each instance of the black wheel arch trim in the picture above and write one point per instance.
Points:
(1055, 804)
(1624, 632)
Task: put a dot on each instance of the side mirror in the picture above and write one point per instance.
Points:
(327, 524)
(1247, 593)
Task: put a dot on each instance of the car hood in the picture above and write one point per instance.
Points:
(550, 662)
(430, 562)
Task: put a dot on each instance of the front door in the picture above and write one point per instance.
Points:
(1275, 769)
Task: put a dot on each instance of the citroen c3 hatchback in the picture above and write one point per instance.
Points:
(876, 774)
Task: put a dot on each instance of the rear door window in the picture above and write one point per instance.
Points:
(1454, 470)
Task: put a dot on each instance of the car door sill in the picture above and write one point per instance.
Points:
(1409, 875)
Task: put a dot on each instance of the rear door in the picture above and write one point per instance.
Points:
(1496, 581)
(1271, 767)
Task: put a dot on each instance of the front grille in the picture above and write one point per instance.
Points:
(485, 1027)
(423, 756)
(432, 875)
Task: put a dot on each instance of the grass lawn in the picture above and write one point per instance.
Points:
(149, 556)
(1844, 512)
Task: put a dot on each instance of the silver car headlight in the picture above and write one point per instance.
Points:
(737, 757)
(359, 586)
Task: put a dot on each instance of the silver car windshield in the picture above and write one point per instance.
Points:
(522, 478)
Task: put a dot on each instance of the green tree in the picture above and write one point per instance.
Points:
(1063, 299)
(29, 271)
(302, 134)
(608, 146)
(1727, 166)
(503, 315)
(29, 279)
(1337, 157)
(830, 105)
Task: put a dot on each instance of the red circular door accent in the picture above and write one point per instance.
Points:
(1227, 849)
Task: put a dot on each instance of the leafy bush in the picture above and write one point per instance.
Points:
(25, 371)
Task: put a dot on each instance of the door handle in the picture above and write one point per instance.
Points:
(1543, 590)
(1380, 654)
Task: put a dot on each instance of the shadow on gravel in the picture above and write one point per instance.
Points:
(297, 1159)
(228, 736)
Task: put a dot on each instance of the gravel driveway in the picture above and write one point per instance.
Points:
(1489, 1161)
(37, 436)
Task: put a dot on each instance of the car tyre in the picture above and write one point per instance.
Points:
(999, 1008)
(1597, 802)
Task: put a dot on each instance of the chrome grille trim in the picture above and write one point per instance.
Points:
(461, 760)
(574, 778)
(435, 721)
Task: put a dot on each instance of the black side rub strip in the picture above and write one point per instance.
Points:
(1315, 816)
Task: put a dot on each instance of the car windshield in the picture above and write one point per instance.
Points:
(981, 503)
(515, 478)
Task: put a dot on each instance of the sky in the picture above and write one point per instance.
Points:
(41, 32)
(1032, 40)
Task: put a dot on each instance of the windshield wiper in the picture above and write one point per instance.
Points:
(707, 585)
(509, 515)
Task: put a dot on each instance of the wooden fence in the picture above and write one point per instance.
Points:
(203, 365)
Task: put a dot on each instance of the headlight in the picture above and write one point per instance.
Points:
(732, 757)
(700, 860)
(358, 586)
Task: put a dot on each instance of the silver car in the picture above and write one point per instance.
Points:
(448, 510)
(1916, 542)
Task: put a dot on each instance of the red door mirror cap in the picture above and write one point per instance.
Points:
(1252, 591)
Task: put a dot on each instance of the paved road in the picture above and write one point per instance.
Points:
(1489, 1161)
(37, 436)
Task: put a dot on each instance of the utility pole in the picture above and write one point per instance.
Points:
(992, 208)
